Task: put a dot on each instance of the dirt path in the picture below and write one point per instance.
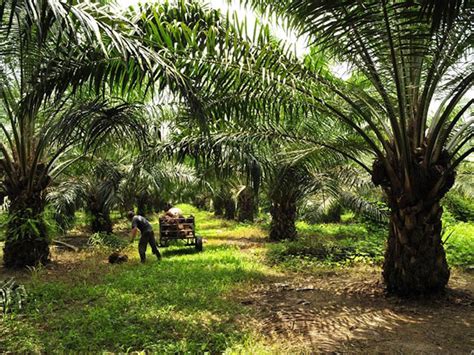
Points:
(348, 311)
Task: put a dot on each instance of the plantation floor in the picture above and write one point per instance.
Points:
(347, 311)
(228, 299)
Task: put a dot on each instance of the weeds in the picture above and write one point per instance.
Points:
(106, 240)
(12, 296)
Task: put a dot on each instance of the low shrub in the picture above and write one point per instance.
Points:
(459, 244)
(461, 207)
(106, 240)
(12, 296)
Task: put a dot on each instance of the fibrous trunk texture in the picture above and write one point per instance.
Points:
(246, 208)
(415, 261)
(26, 238)
(283, 220)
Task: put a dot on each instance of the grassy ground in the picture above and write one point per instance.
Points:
(181, 304)
(198, 302)
(354, 242)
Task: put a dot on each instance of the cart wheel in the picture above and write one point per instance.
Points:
(198, 245)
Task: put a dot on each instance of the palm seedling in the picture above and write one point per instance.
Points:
(13, 296)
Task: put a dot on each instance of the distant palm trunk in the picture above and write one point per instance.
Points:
(100, 218)
(229, 208)
(101, 222)
(201, 202)
(283, 220)
(246, 205)
(333, 215)
(142, 205)
(218, 205)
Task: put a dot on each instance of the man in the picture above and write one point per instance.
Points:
(146, 235)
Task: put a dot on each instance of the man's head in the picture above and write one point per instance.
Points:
(130, 215)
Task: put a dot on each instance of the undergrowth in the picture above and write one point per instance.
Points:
(178, 305)
(344, 244)
(185, 303)
(106, 241)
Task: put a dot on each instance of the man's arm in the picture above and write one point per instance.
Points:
(134, 233)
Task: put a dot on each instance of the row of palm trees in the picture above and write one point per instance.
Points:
(63, 64)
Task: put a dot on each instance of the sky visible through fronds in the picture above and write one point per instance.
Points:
(299, 43)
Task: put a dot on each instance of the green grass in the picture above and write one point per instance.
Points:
(321, 245)
(181, 304)
(211, 227)
(460, 244)
(187, 302)
(329, 245)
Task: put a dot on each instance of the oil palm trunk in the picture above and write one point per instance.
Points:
(229, 208)
(246, 205)
(218, 204)
(415, 260)
(100, 222)
(26, 241)
(283, 220)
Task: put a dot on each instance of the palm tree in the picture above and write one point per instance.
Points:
(95, 190)
(55, 57)
(247, 205)
(222, 192)
(298, 175)
(287, 184)
(150, 184)
(405, 53)
(102, 184)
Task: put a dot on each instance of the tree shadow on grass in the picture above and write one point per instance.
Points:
(180, 304)
(178, 250)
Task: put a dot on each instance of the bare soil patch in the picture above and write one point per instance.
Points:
(348, 311)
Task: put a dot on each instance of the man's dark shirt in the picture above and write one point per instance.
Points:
(141, 223)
